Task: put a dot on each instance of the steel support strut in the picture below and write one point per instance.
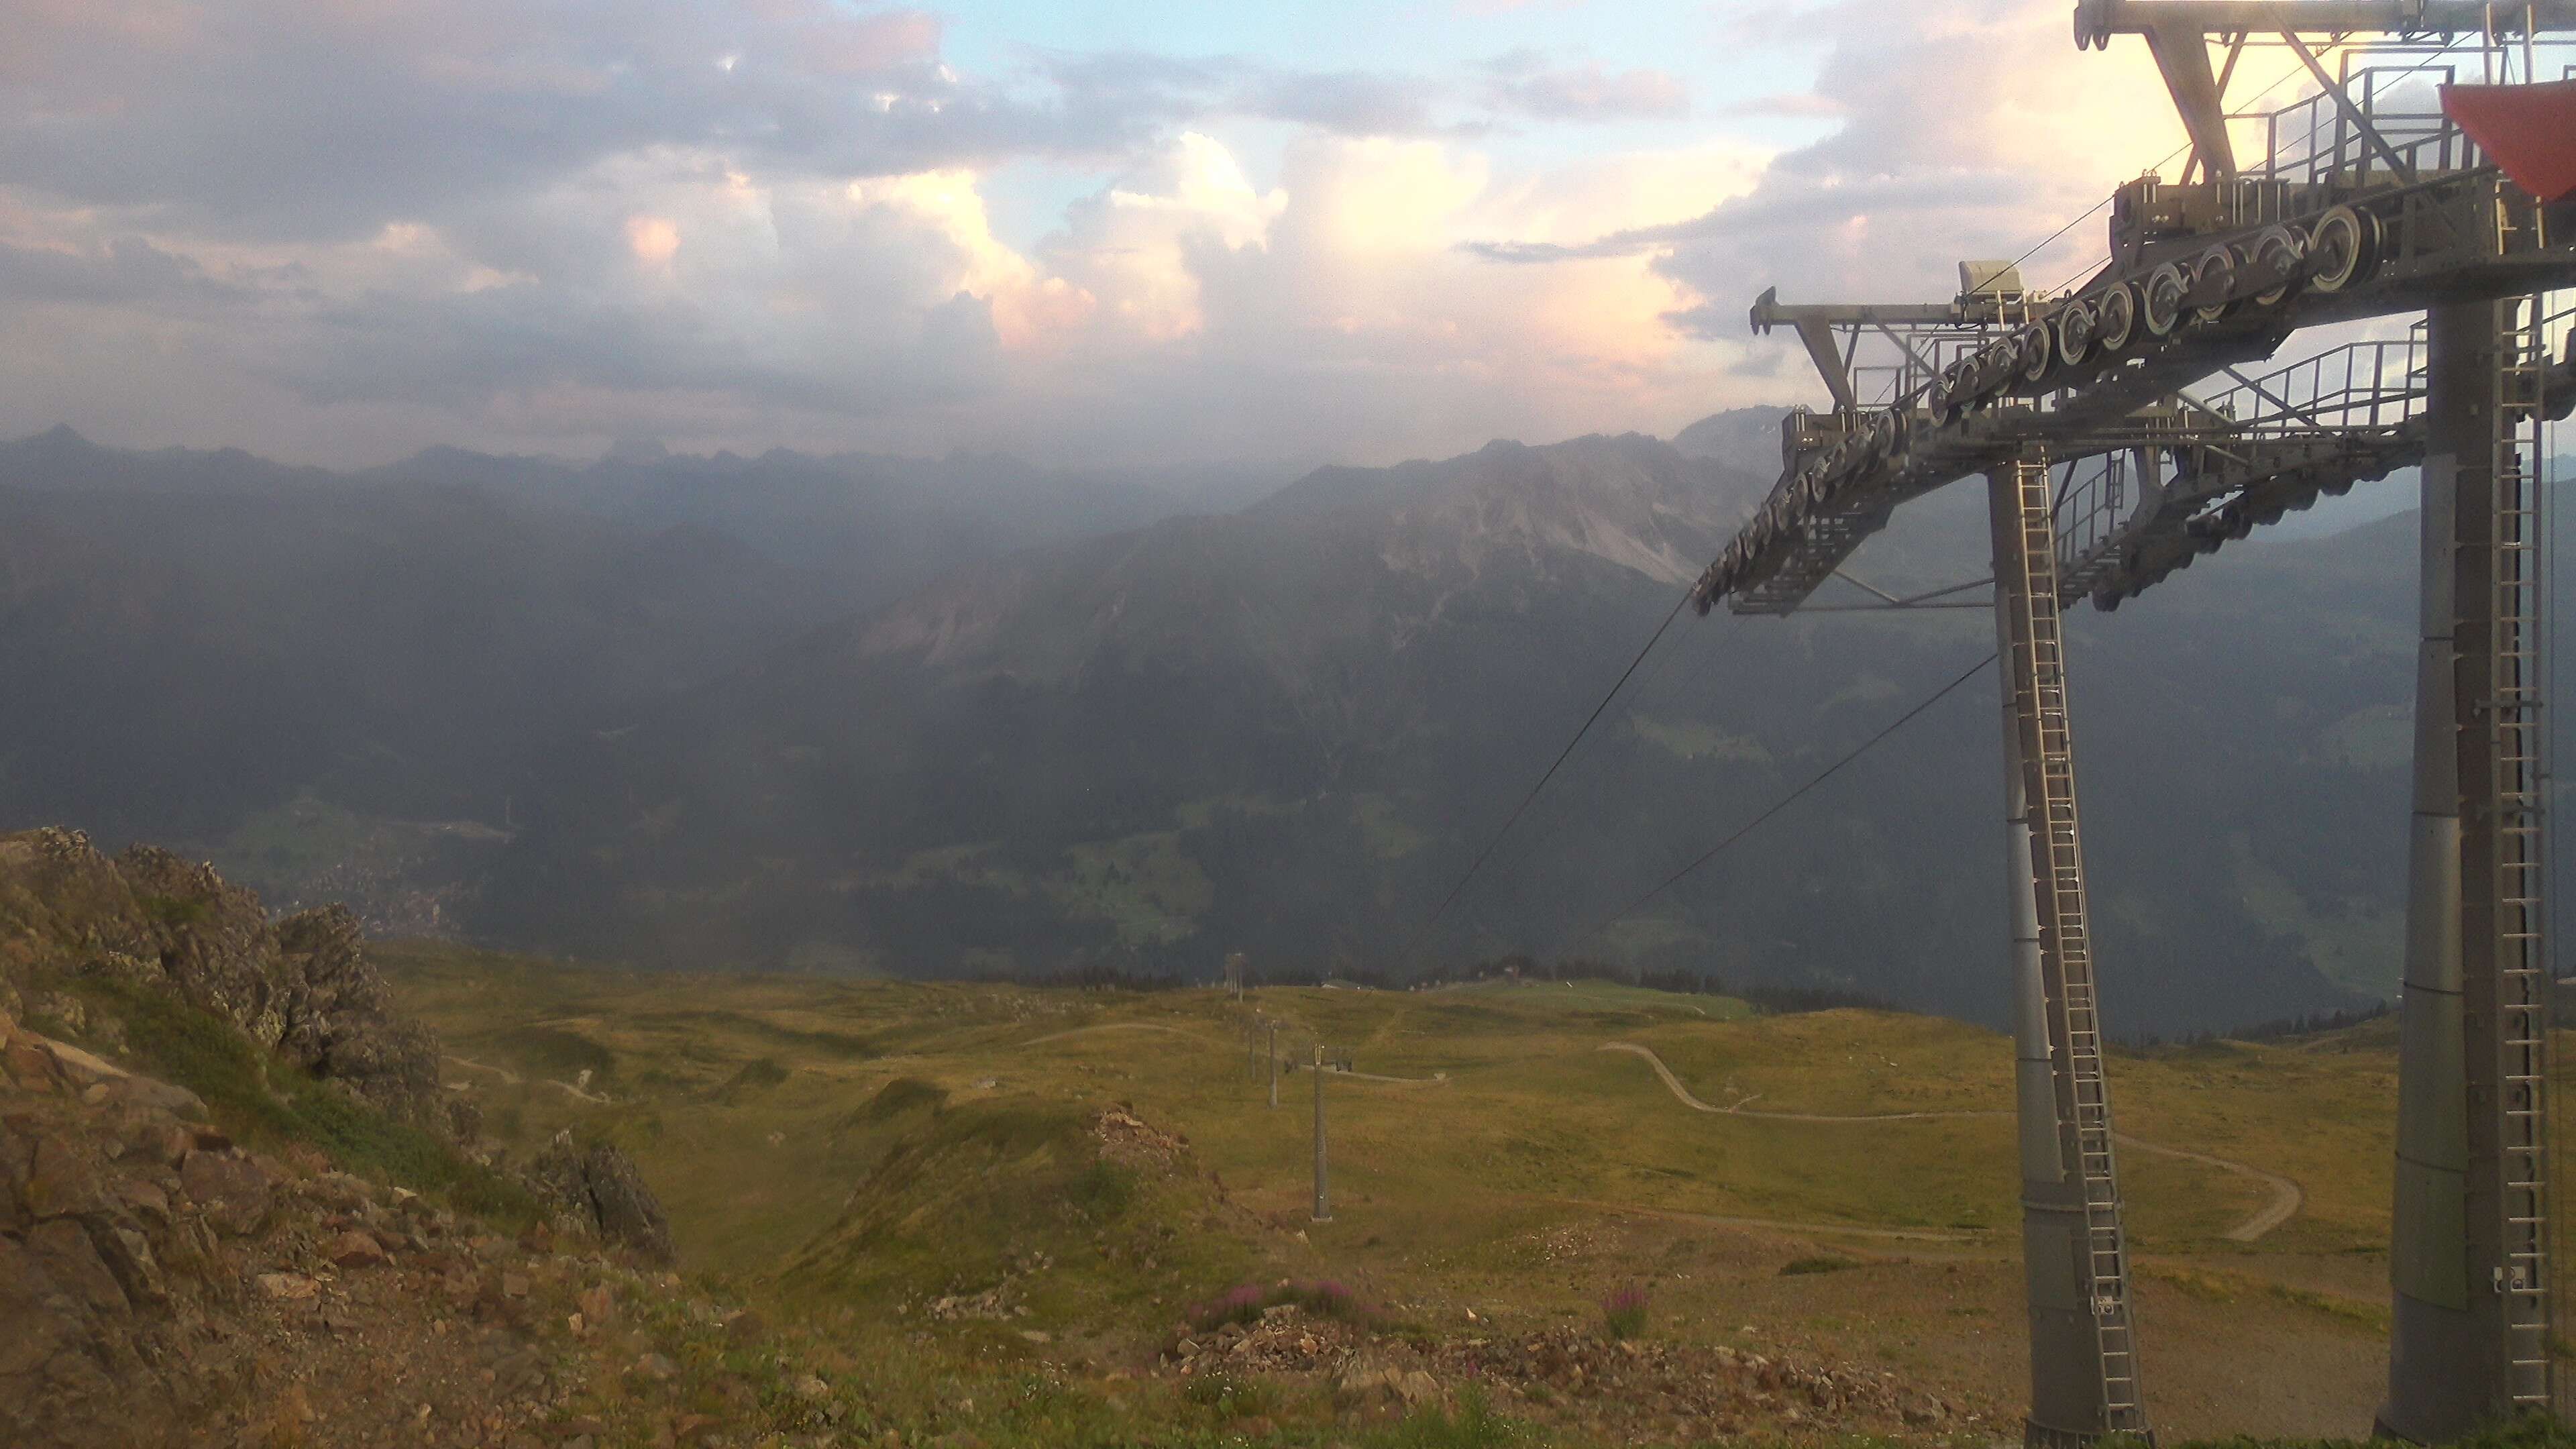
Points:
(2083, 1353)
(2467, 1260)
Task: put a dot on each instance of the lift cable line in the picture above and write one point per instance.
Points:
(1776, 806)
(1423, 932)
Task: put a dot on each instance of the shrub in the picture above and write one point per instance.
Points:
(1623, 1310)
(1825, 1263)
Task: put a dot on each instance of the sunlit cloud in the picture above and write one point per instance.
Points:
(341, 231)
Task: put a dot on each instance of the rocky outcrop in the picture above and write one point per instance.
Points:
(302, 987)
(339, 1021)
(602, 1192)
(112, 1200)
(160, 1285)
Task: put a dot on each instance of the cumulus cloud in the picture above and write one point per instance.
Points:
(1967, 128)
(339, 229)
(1587, 92)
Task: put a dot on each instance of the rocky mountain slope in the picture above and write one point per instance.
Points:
(237, 1204)
(634, 710)
(1288, 730)
(331, 682)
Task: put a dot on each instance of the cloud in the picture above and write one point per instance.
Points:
(342, 229)
(1588, 92)
(1967, 128)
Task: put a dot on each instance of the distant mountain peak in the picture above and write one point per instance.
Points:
(643, 452)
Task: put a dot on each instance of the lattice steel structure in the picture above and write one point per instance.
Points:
(2120, 438)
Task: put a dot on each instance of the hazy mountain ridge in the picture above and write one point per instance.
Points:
(1283, 730)
(1286, 731)
(208, 647)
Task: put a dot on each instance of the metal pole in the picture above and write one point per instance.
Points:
(2467, 1339)
(2083, 1360)
(1274, 1066)
(1323, 1204)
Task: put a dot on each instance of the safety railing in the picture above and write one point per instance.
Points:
(2395, 116)
(2372, 385)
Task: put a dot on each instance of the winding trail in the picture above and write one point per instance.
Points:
(1111, 1026)
(2286, 1195)
(1903, 1235)
(507, 1076)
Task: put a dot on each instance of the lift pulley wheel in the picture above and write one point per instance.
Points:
(2075, 332)
(2115, 317)
(2213, 276)
(2161, 307)
(2275, 252)
(2037, 346)
(2343, 247)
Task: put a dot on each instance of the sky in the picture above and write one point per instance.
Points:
(1102, 234)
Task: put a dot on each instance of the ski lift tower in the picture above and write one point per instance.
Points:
(2364, 203)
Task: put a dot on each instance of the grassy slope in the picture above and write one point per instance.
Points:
(1523, 1171)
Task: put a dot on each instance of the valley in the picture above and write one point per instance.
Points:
(866, 715)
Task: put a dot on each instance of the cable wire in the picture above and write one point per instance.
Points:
(1424, 931)
(1783, 803)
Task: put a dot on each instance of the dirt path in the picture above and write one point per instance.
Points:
(507, 1076)
(2286, 1199)
(1695, 1104)
(1905, 1235)
(1111, 1026)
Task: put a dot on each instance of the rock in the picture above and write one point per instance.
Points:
(810, 1387)
(1358, 1384)
(29, 1065)
(154, 1095)
(596, 1304)
(212, 939)
(288, 1287)
(61, 1180)
(1417, 1388)
(602, 1187)
(28, 1304)
(656, 1367)
(122, 1245)
(78, 1067)
(63, 1249)
(230, 1188)
(354, 1249)
(338, 1020)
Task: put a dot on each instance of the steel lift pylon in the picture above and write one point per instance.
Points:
(2363, 204)
(2084, 1359)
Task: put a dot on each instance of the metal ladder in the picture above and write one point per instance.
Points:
(2066, 946)
(2523, 982)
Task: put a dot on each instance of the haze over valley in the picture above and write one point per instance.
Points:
(875, 715)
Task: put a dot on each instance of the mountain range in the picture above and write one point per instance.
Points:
(966, 715)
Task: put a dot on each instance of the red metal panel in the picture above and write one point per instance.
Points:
(2529, 131)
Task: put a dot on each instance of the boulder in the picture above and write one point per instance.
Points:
(62, 1178)
(355, 1249)
(127, 1252)
(601, 1188)
(230, 1188)
(63, 1249)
